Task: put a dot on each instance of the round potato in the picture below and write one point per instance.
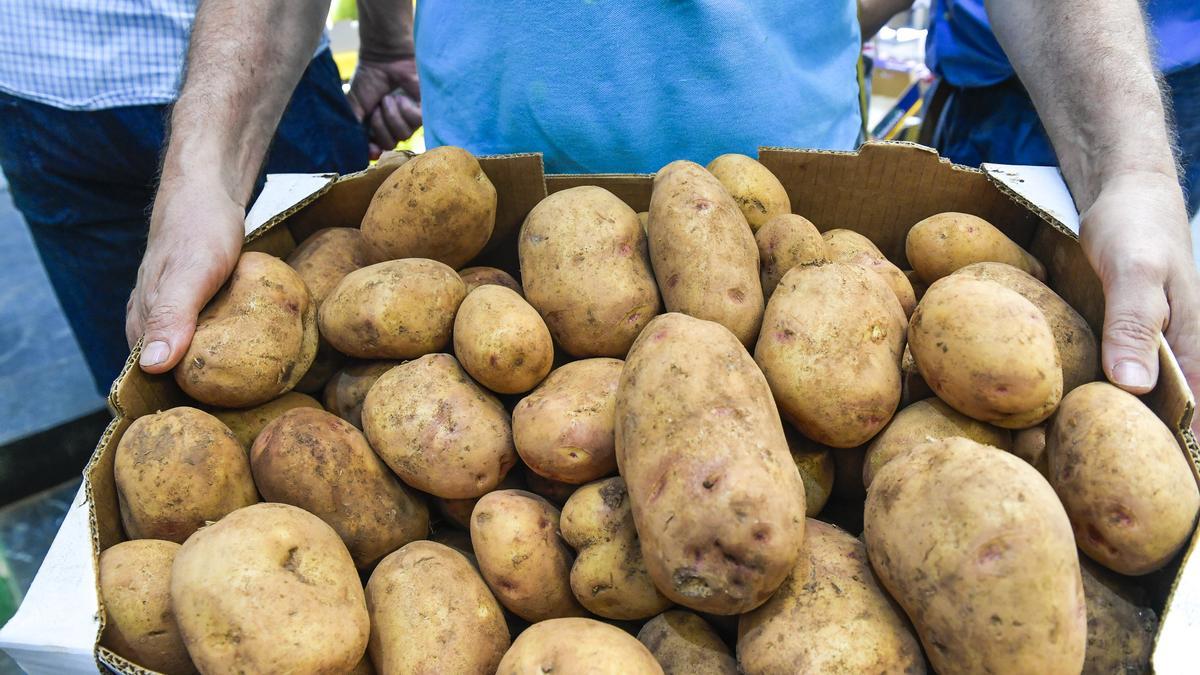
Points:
(976, 548)
(502, 341)
(586, 270)
(785, 241)
(525, 563)
(474, 277)
(758, 193)
(576, 646)
(829, 616)
(347, 389)
(432, 613)
(438, 205)
(269, 589)
(1120, 630)
(327, 256)
(684, 644)
(564, 429)
(176, 470)
(400, 309)
(851, 247)
(1123, 478)
(246, 423)
(945, 242)
(997, 364)
(830, 348)
(437, 429)
(135, 578)
(1030, 445)
(816, 466)
(254, 340)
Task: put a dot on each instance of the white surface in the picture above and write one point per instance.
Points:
(1041, 185)
(281, 192)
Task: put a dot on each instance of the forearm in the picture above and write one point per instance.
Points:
(873, 14)
(385, 29)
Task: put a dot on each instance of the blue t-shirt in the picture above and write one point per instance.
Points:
(601, 86)
(962, 49)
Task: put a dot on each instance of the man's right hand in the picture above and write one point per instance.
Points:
(386, 96)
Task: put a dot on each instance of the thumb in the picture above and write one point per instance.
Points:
(169, 317)
(1135, 312)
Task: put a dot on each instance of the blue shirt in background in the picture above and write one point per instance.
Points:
(601, 86)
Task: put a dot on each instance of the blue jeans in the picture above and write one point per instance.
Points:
(85, 181)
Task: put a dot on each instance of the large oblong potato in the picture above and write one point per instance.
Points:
(373, 513)
(246, 423)
(432, 613)
(987, 352)
(829, 616)
(256, 338)
(400, 309)
(326, 256)
(347, 389)
(785, 241)
(577, 646)
(758, 193)
(975, 546)
(522, 558)
(1122, 477)
(830, 348)
(135, 591)
(585, 268)
(474, 277)
(705, 258)
(717, 500)
(437, 429)
(502, 341)
(945, 242)
(176, 470)
(685, 644)
(269, 589)
(438, 205)
(852, 247)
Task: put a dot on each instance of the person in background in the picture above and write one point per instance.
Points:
(85, 90)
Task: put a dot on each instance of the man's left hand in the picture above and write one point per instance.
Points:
(386, 95)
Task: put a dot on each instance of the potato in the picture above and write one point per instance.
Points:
(502, 341)
(269, 589)
(1123, 479)
(923, 421)
(643, 218)
(976, 548)
(564, 429)
(326, 256)
(474, 277)
(254, 340)
(609, 577)
(996, 362)
(758, 193)
(294, 462)
(575, 646)
(851, 247)
(704, 257)
(1120, 632)
(945, 242)
(457, 512)
(1076, 342)
(717, 499)
(684, 644)
(432, 613)
(525, 563)
(829, 616)
(1030, 445)
(438, 430)
(327, 362)
(816, 466)
(246, 423)
(830, 348)
(553, 491)
(135, 579)
(785, 241)
(586, 270)
(400, 309)
(438, 205)
(177, 469)
(347, 389)
(364, 667)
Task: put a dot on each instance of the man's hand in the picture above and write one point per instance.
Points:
(387, 97)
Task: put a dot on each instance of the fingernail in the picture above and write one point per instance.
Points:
(1132, 374)
(154, 353)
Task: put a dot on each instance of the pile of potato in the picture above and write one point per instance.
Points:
(636, 459)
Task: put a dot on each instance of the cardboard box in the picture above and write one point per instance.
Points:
(880, 191)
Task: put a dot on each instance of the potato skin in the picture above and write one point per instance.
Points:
(851, 247)
(293, 462)
(432, 613)
(585, 268)
(554, 491)
(327, 256)
(1030, 445)
(457, 512)
(177, 469)
(829, 616)
(684, 644)
(269, 588)
(254, 340)
(974, 545)
(563, 430)
(718, 501)
(522, 558)
(246, 423)
(945, 242)
(347, 389)
(816, 466)
(502, 341)
(1120, 631)
(574, 646)
(474, 277)
(400, 309)
(758, 193)
(785, 241)
(830, 348)
(1123, 479)
(705, 258)
(437, 429)
(438, 205)
(135, 581)
(1000, 366)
